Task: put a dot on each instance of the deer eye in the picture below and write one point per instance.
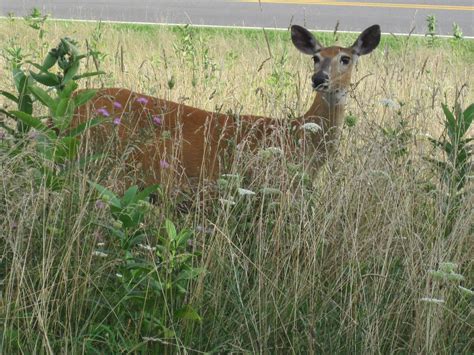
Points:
(316, 59)
(345, 59)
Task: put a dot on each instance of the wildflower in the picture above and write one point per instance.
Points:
(432, 300)
(147, 247)
(466, 291)
(448, 267)
(311, 127)
(231, 176)
(157, 120)
(103, 112)
(142, 100)
(2, 135)
(101, 244)
(99, 254)
(117, 105)
(164, 164)
(245, 192)
(33, 135)
(99, 204)
(390, 103)
(227, 202)
(117, 121)
(119, 276)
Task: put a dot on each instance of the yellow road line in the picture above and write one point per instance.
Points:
(368, 4)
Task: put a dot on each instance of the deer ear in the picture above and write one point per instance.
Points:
(367, 41)
(304, 40)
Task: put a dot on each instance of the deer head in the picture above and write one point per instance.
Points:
(333, 65)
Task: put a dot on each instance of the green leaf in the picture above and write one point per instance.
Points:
(69, 147)
(170, 229)
(34, 122)
(50, 60)
(188, 313)
(129, 195)
(450, 122)
(468, 117)
(84, 126)
(84, 96)
(43, 97)
(142, 195)
(25, 104)
(87, 75)
(47, 79)
(71, 72)
(9, 96)
(67, 91)
(113, 200)
(190, 274)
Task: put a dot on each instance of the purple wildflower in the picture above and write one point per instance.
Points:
(164, 164)
(33, 135)
(117, 121)
(117, 105)
(142, 100)
(2, 135)
(99, 204)
(157, 120)
(103, 112)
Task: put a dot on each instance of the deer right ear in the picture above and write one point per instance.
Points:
(304, 40)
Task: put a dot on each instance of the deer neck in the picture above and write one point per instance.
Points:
(327, 111)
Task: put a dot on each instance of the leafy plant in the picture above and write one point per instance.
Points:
(457, 31)
(431, 28)
(153, 280)
(56, 144)
(457, 151)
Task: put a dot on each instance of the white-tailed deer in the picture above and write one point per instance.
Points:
(197, 139)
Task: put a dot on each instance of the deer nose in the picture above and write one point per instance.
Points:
(320, 80)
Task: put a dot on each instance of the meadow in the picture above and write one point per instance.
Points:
(372, 254)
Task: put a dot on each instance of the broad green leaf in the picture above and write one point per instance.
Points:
(468, 117)
(142, 195)
(34, 122)
(188, 313)
(71, 71)
(84, 96)
(129, 195)
(46, 79)
(43, 97)
(450, 123)
(190, 274)
(67, 91)
(70, 147)
(25, 104)
(170, 229)
(112, 198)
(50, 60)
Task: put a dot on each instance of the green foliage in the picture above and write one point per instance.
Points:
(153, 283)
(455, 166)
(457, 31)
(56, 145)
(431, 28)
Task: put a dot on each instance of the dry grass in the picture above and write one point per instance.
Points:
(335, 263)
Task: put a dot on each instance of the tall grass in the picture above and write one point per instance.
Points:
(338, 262)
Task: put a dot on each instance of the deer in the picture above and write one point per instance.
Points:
(198, 139)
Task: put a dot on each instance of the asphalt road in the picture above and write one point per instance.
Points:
(395, 16)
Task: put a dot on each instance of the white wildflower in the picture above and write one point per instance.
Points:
(432, 300)
(227, 202)
(466, 291)
(236, 176)
(120, 276)
(147, 247)
(99, 254)
(245, 192)
(101, 244)
(311, 127)
(390, 103)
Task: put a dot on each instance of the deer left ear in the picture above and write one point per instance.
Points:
(367, 41)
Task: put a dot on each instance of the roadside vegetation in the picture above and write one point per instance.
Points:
(372, 254)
